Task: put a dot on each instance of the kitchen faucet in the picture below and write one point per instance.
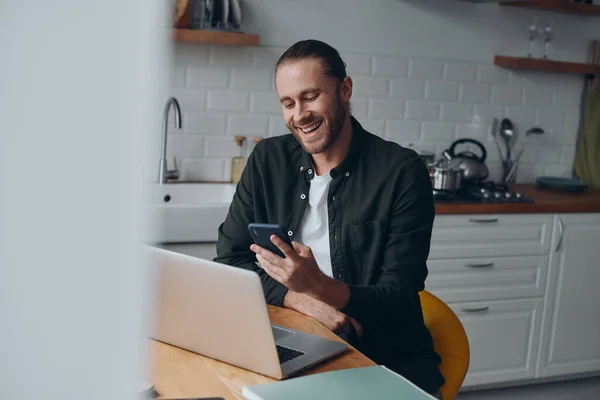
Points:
(164, 173)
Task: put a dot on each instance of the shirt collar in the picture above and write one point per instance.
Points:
(347, 164)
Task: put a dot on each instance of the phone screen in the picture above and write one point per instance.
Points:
(261, 233)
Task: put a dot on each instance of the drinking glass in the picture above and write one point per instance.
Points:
(533, 32)
(548, 34)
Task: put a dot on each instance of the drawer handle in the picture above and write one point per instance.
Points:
(476, 309)
(483, 265)
(483, 220)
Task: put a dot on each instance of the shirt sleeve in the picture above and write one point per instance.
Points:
(234, 240)
(393, 299)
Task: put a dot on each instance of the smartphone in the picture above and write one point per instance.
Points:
(261, 233)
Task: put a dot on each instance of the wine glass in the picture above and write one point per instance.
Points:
(533, 31)
(548, 34)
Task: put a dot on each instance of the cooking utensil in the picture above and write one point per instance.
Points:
(474, 166)
(507, 132)
(445, 177)
(531, 131)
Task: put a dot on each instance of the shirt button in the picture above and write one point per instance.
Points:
(303, 196)
(347, 174)
(310, 171)
(333, 198)
(339, 276)
(290, 233)
(301, 168)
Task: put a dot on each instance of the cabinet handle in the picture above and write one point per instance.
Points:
(476, 309)
(561, 229)
(483, 220)
(483, 265)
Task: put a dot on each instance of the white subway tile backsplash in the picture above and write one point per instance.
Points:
(204, 123)
(191, 54)
(393, 67)
(403, 131)
(177, 76)
(460, 72)
(567, 156)
(357, 64)
(265, 102)
(433, 131)
(359, 107)
(475, 93)
(219, 146)
(266, 57)
(231, 56)
(204, 77)
(521, 115)
(421, 68)
(373, 86)
(422, 110)
(487, 113)
(248, 125)
(251, 79)
(386, 109)
(441, 91)
(204, 169)
(492, 74)
(538, 96)
(277, 126)
(558, 170)
(417, 102)
(550, 116)
(403, 89)
(457, 112)
(228, 100)
(375, 126)
(181, 145)
(507, 95)
(189, 99)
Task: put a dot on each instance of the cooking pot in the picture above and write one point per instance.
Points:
(445, 176)
(473, 165)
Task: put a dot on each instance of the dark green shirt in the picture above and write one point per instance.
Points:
(381, 213)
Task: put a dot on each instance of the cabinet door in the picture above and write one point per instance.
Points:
(490, 235)
(571, 321)
(503, 338)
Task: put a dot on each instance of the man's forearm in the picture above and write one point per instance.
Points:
(332, 292)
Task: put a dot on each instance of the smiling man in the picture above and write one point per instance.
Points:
(359, 210)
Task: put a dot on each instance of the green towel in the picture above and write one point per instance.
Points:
(587, 159)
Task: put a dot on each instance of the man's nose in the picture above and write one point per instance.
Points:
(301, 114)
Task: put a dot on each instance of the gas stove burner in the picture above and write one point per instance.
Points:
(482, 192)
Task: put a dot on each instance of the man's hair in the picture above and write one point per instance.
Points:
(333, 64)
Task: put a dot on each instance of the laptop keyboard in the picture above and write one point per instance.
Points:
(286, 354)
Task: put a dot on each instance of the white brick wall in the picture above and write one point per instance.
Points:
(421, 102)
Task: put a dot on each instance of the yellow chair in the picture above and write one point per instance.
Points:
(449, 341)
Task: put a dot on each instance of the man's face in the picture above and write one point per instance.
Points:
(313, 104)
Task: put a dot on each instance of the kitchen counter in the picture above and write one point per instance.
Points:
(545, 201)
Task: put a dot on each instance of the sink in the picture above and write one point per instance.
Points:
(189, 212)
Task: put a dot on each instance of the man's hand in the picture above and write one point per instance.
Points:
(299, 271)
(331, 318)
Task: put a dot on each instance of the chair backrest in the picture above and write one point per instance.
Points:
(449, 341)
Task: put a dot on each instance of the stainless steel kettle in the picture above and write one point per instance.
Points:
(473, 165)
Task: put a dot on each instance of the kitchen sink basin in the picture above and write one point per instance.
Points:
(189, 213)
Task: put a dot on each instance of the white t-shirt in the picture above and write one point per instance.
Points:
(314, 229)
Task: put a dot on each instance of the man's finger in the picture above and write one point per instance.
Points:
(300, 248)
(283, 246)
(273, 271)
(267, 255)
(357, 327)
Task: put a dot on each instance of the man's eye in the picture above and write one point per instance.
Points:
(288, 105)
(312, 98)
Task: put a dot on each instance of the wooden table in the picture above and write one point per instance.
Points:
(177, 373)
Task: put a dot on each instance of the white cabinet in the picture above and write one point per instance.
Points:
(571, 322)
(457, 236)
(503, 338)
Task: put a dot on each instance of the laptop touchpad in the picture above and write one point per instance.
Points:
(279, 333)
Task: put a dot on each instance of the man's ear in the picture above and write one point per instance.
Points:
(346, 89)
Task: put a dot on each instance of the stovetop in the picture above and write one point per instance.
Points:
(484, 192)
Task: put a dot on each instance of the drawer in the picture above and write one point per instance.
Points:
(503, 339)
(474, 279)
(464, 236)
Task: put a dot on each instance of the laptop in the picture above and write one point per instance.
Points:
(220, 311)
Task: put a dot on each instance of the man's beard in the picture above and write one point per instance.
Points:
(327, 139)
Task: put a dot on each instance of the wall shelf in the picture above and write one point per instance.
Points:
(215, 37)
(559, 6)
(546, 65)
